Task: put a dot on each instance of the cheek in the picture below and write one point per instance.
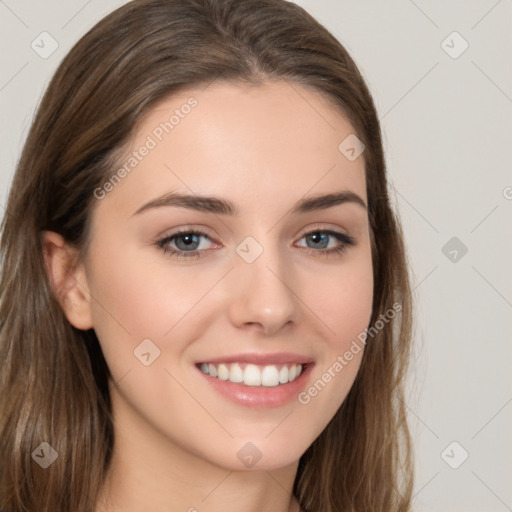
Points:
(126, 306)
(342, 298)
(140, 294)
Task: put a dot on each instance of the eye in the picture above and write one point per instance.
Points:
(320, 239)
(187, 243)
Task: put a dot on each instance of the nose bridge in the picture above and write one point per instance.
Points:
(261, 277)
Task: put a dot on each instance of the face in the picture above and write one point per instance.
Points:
(220, 318)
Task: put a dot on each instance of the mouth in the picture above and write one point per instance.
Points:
(258, 380)
(254, 375)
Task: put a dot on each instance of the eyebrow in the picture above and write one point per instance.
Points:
(216, 205)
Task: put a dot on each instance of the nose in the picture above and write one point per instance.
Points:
(262, 295)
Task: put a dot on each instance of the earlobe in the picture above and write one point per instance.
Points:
(68, 280)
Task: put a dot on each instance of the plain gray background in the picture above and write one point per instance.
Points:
(446, 117)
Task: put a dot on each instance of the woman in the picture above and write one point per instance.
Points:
(205, 301)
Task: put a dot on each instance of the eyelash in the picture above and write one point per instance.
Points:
(345, 240)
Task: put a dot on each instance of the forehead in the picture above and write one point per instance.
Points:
(257, 143)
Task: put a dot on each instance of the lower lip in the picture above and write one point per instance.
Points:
(260, 396)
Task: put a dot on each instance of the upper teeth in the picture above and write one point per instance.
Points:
(253, 375)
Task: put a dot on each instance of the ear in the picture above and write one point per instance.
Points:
(68, 279)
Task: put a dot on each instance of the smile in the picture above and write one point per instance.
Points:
(253, 375)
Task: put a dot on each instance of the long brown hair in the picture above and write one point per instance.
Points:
(53, 377)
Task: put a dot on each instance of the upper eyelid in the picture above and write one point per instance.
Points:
(318, 226)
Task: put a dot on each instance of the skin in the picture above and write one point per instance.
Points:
(264, 148)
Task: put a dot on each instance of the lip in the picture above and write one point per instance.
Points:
(261, 359)
(261, 397)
